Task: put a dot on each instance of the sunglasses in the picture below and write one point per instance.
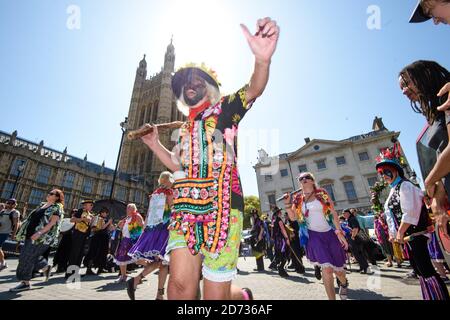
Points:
(10, 203)
(386, 172)
(53, 194)
(305, 178)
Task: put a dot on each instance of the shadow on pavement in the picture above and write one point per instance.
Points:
(112, 287)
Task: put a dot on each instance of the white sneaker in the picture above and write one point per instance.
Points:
(121, 280)
(3, 266)
(21, 287)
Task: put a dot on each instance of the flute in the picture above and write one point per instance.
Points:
(148, 128)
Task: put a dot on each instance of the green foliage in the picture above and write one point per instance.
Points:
(375, 192)
(250, 203)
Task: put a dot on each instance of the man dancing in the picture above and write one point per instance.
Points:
(208, 200)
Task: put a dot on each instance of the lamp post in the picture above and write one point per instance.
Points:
(20, 168)
(124, 128)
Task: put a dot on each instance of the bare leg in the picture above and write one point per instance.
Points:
(184, 275)
(341, 276)
(162, 276)
(2, 257)
(217, 290)
(123, 271)
(327, 276)
(389, 257)
(149, 267)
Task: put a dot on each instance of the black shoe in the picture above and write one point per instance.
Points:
(317, 273)
(89, 272)
(130, 289)
(300, 270)
(259, 270)
(283, 273)
(291, 267)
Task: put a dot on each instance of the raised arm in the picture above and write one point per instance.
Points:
(262, 45)
(167, 157)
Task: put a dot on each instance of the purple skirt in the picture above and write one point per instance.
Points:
(325, 250)
(434, 249)
(122, 258)
(151, 245)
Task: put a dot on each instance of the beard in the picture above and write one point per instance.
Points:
(200, 93)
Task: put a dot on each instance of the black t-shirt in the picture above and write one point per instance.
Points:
(35, 219)
(353, 222)
(434, 139)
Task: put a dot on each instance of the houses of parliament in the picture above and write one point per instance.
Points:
(29, 170)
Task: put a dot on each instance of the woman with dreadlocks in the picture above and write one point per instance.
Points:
(424, 83)
(421, 82)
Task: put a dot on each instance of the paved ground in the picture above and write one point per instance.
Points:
(385, 284)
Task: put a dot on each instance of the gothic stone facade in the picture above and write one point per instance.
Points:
(152, 101)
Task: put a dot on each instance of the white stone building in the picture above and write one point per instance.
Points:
(346, 168)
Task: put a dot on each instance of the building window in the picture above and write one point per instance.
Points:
(330, 191)
(67, 199)
(121, 193)
(340, 161)
(68, 180)
(268, 177)
(363, 156)
(272, 199)
(302, 168)
(18, 165)
(43, 175)
(321, 165)
(372, 181)
(138, 196)
(7, 189)
(316, 147)
(88, 185)
(350, 190)
(284, 172)
(36, 197)
(106, 189)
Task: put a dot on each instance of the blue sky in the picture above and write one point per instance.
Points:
(330, 76)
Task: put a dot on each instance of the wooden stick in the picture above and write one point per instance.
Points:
(148, 128)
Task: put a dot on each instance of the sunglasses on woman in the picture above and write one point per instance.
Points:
(305, 178)
(52, 194)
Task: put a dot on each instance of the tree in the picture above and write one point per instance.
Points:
(250, 203)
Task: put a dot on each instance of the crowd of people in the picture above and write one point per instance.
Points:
(192, 230)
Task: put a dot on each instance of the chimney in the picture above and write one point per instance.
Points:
(307, 140)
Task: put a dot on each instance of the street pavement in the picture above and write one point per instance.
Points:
(384, 284)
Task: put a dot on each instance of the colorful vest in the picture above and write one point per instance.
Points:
(323, 197)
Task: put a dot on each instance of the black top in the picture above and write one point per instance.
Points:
(353, 222)
(434, 139)
(35, 219)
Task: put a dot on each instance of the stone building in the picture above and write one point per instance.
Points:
(346, 168)
(29, 170)
(152, 101)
